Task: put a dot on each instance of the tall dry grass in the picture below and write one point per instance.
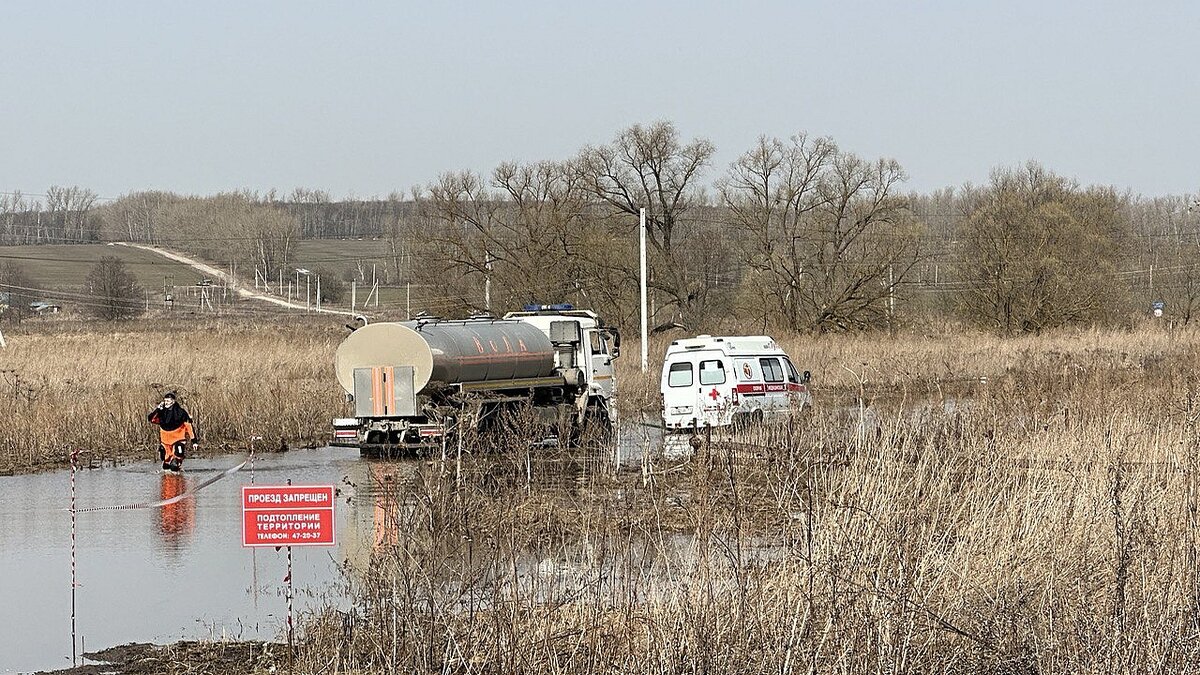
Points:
(921, 364)
(67, 386)
(1043, 522)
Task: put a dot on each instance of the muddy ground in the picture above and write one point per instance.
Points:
(193, 658)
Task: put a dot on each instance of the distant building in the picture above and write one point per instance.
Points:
(40, 307)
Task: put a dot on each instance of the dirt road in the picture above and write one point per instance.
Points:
(241, 291)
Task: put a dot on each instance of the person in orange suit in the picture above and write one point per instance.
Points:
(175, 431)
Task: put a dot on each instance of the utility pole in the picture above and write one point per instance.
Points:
(891, 292)
(374, 288)
(353, 295)
(318, 292)
(487, 282)
(645, 319)
(308, 292)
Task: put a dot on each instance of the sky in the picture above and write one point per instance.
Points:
(362, 99)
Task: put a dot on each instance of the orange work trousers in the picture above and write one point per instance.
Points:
(170, 438)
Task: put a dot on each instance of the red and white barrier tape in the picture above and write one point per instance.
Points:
(167, 502)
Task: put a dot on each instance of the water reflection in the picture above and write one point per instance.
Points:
(175, 521)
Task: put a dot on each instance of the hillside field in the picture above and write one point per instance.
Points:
(65, 267)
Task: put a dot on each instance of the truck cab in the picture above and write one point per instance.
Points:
(600, 345)
(725, 380)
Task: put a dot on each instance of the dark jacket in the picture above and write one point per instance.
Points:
(169, 419)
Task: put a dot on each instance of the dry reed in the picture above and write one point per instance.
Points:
(89, 386)
(1041, 522)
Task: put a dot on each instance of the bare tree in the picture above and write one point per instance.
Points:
(22, 220)
(1167, 252)
(650, 167)
(138, 216)
(70, 209)
(398, 229)
(274, 233)
(16, 292)
(113, 292)
(514, 237)
(826, 237)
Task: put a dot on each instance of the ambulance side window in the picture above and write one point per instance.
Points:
(772, 371)
(680, 375)
(792, 374)
(712, 372)
(598, 346)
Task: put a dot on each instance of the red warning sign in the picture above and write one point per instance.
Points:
(287, 515)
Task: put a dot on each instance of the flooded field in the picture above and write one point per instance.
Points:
(764, 545)
(180, 572)
(159, 574)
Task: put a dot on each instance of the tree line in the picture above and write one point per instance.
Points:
(797, 234)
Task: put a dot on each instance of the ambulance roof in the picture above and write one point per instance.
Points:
(730, 344)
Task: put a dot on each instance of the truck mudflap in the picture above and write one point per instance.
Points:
(345, 432)
(430, 430)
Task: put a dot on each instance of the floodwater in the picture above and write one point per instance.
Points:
(159, 574)
(178, 572)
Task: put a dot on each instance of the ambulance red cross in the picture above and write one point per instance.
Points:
(722, 380)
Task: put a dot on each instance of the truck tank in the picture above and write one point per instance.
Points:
(448, 351)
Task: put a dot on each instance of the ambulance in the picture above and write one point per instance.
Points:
(721, 381)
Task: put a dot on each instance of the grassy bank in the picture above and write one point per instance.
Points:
(88, 386)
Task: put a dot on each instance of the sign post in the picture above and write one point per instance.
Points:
(287, 515)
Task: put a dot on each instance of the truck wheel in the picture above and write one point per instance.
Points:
(597, 423)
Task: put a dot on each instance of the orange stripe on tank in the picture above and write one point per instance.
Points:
(376, 404)
(390, 391)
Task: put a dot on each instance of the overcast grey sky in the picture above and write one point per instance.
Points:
(364, 98)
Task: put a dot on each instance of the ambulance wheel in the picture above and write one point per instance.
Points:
(748, 420)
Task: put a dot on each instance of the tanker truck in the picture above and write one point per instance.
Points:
(415, 384)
